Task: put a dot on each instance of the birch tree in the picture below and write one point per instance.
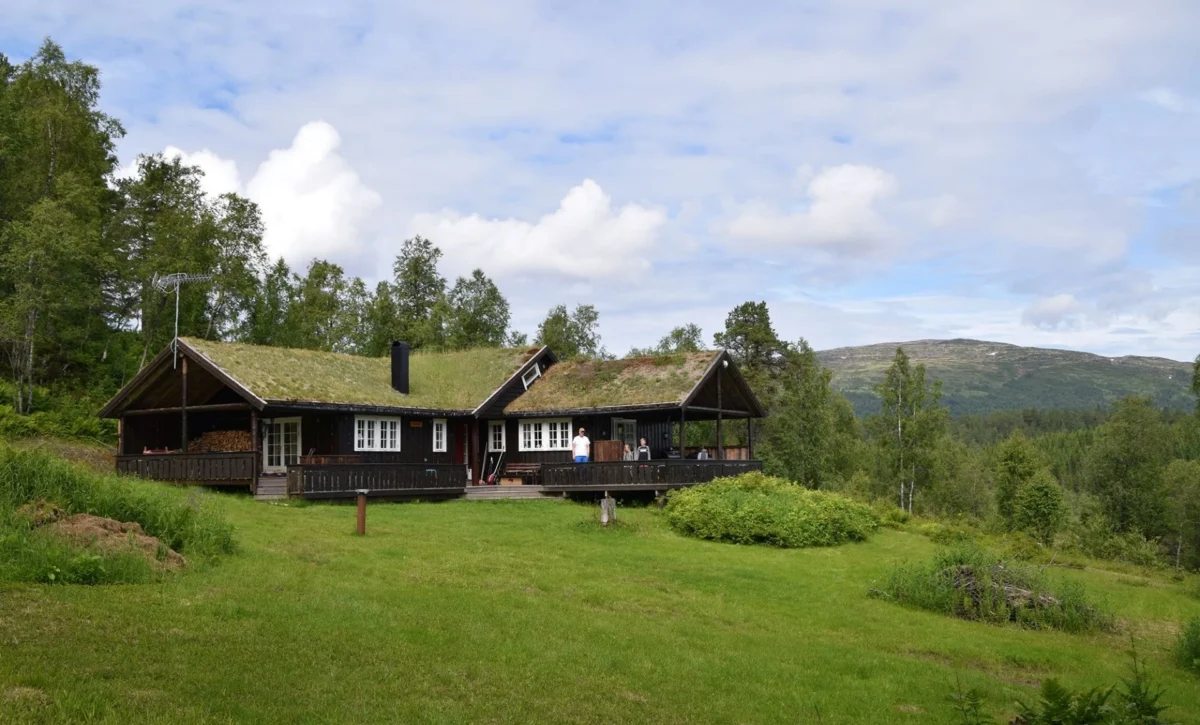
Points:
(909, 425)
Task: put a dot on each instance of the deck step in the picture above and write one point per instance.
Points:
(271, 489)
(491, 493)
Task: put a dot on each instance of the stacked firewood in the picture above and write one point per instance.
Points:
(221, 441)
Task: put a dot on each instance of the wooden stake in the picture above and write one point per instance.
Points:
(362, 512)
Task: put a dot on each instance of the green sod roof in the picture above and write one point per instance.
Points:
(579, 385)
(459, 380)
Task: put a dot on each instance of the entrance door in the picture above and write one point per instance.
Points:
(281, 444)
(625, 430)
(462, 443)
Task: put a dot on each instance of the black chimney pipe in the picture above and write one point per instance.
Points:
(400, 366)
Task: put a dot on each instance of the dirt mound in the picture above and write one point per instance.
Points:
(111, 535)
(40, 512)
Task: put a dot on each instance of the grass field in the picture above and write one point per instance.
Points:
(518, 612)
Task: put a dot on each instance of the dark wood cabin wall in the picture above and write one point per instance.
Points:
(416, 444)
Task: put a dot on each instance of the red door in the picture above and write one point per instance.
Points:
(462, 439)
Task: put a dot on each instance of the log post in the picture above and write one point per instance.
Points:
(473, 454)
(121, 435)
(183, 446)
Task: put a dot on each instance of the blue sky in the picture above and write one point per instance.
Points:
(876, 170)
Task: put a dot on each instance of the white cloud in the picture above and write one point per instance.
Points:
(220, 175)
(1052, 313)
(841, 212)
(312, 201)
(584, 238)
(1171, 100)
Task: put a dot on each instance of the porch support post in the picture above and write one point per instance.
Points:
(750, 439)
(254, 449)
(720, 433)
(682, 436)
(183, 408)
(473, 453)
(121, 435)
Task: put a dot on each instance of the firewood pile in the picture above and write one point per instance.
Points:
(222, 441)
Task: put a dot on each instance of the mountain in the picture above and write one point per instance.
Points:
(981, 377)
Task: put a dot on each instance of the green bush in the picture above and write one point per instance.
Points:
(757, 509)
(1094, 537)
(1187, 649)
(1039, 507)
(940, 533)
(969, 582)
(183, 520)
(890, 515)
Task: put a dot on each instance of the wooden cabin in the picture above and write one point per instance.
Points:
(323, 425)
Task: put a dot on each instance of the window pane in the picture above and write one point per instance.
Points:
(537, 436)
(527, 436)
(362, 439)
(371, 435)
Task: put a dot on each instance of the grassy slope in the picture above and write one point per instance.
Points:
(976, 381)
(526, 612)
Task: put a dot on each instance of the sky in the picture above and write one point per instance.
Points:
(875, 170)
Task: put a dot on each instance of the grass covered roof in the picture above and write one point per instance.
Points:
(577, 385)
(458, 380)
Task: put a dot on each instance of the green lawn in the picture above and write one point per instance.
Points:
(527, 612)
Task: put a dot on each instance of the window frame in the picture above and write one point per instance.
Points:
(444, 429)
(534, 434)
(370, 432)
(493, 425)
(530, 375)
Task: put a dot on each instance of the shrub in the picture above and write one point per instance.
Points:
(890, 515)
(969, 582)
(1095, 537)
(757, 509)
(1187, 649)
(940, 533)
(1039, 507)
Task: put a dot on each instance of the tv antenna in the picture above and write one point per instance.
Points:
(166, 282)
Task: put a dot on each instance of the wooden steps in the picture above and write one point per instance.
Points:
(271, 488)
(492, 493)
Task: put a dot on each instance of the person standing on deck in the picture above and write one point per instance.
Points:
(628, 455)
(643, 451)
(581, 447)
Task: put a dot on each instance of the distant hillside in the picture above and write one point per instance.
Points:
(981, 377)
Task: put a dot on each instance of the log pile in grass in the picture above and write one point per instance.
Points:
(972, 583)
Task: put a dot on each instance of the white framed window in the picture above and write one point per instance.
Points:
(531, 374)
(546, 435)
(372, 433)
(439, 435)
(496, 442)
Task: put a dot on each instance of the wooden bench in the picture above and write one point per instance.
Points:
(528, 472)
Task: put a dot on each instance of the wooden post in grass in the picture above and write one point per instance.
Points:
(362, 511)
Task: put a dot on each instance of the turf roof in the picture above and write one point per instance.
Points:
(577, 385)
(458, 380)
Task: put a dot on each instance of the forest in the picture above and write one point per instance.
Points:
(82, 246)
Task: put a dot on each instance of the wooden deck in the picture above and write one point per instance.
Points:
(400, 480)
(638, 475)
(202, 469)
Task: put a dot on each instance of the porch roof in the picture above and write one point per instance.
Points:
(640, 383)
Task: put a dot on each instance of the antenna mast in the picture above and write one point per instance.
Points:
(164, 283)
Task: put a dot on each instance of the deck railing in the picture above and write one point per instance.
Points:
(668, 472)
(334, 480)
(211, 468)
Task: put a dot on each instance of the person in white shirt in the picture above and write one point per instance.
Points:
(581, 447)
(702, 455)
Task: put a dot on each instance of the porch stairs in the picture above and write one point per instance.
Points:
(273, 488)
(494, 493)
